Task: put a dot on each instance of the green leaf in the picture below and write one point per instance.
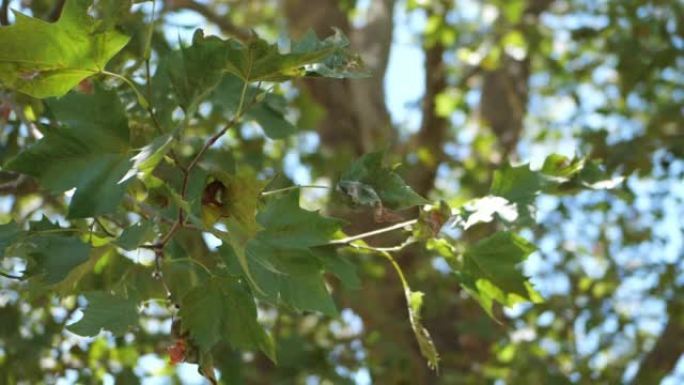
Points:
(135, 235)
(240, 198)
(367, 180)
(89, 151)
(340, 266)
(518, 184)
(108, 312)
(561, 166)
(268, 112)
(491, 271)
(45, 59)
(145, 161)
(223, 309)
(55, 256)
(279, 257)
(194, 71)
(425, 343)
(292, 276)
(340, 63)
(9, 232)
(191, 73)
(258, 60)
(201, 312)
(286, 225)
(558, 175)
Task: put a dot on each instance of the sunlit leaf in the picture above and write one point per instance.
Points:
(48, 59)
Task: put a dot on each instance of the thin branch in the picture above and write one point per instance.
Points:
(349, 240)
(4, 13)
(57, 10)
(12, 276)
(290, 188)
(104, 229)
(220, 20)
(141, 97)
(392, 249)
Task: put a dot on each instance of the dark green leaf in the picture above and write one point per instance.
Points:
(518, 184)
(292, 276)
(89, 152)
(9, 232)
(339, 64)
(135, 235)
(194, 71)
(491, 270)
(367, 180)
(55, 256)
(286, 225)
(106, 312)
(268, 112)
(222, 309)
(339, 265)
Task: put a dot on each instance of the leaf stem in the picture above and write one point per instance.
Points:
(290, 188)
(350, 239)
(104, 229)
(198, 263)
(408, 241)
(141, 97)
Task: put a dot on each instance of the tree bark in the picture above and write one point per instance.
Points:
(356, 116)
(663, 357)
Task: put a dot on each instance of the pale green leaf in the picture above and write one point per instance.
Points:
(48, 59)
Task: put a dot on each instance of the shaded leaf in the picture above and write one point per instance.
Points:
(9, 232)
(367, 180)
(108, 312)
(89, 151)
(135, 235)
(286, 225)
(55, 256)
(267, 111)
(222, 309)
(340, 63)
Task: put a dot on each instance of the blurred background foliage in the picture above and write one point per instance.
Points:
(458, 88)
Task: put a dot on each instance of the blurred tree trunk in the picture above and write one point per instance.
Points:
(356, 116)
(669, 347)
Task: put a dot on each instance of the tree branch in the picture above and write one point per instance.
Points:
(57, 10)
(4, 12)
(663, 357)
(433, 128)
(348, 240)
(220, 20)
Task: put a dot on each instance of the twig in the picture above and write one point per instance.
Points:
(349, 240)
(290, 188)
(57, 10)
(408, 241)
(141, 97)
(104, 229)
(12, 276)
(4, 12)
(221, 21)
